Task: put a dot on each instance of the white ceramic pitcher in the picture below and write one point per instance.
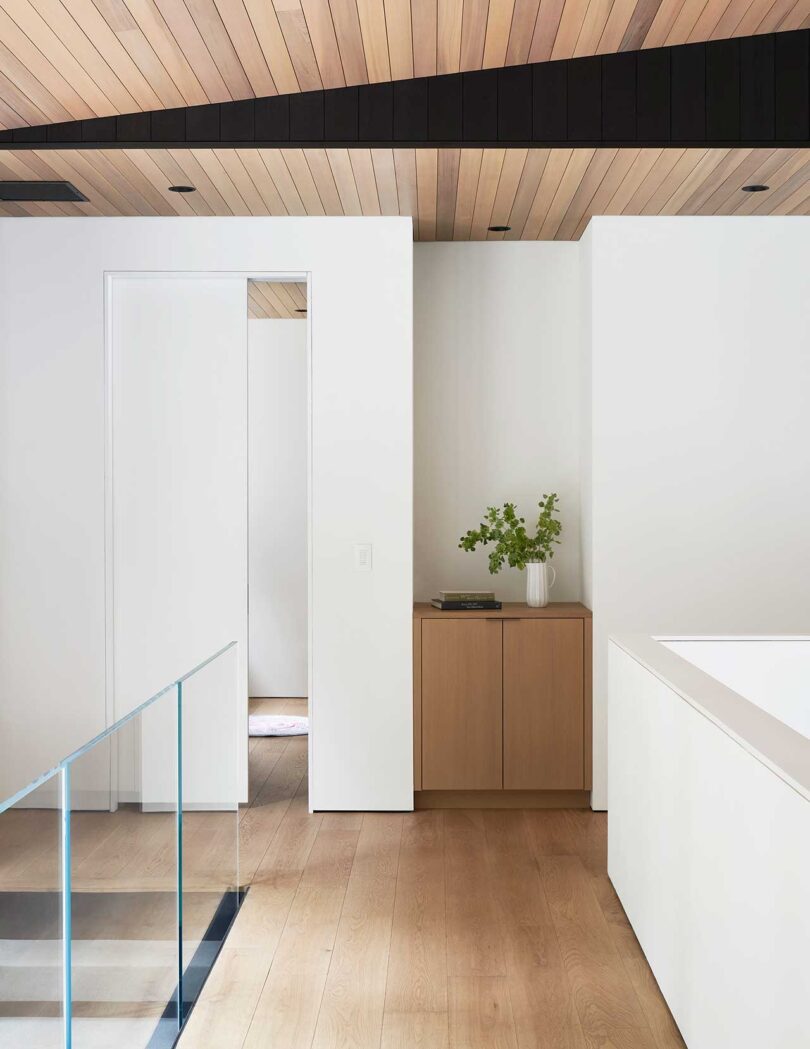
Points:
(538, 583)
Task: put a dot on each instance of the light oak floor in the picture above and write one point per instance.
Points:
(429, 930)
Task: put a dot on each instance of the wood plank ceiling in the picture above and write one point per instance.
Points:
(276, 300)
(452, 194)
(70, 59)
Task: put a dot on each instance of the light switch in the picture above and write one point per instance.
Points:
(362, 557)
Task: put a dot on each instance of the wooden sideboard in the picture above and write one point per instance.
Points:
(502, 706)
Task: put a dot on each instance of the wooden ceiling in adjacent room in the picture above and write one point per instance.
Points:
(71, 59)
(453, 194)
(276, 300)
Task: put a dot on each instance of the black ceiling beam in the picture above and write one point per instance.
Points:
(748, 91)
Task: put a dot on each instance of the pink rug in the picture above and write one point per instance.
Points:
(277, 725)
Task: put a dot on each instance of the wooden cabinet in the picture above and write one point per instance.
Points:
(543, 709)
(502, 700)
(462, 705)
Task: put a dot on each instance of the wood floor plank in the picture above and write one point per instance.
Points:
(481, 1013)
(287, 1010)
(474, 942)
(417, 966)
(664, 1029)
(540, 993)
(604, 997)
(351, 1012)
(222, 1017)
(415, 1031)
(262, 819)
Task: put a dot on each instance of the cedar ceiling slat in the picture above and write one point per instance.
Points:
(301, 175)
(620, 165)
(405, 167)
(375, 39)
(321, 27)
(588, 186)
(350, 40)
(527, 188)
(642, 168)
(499, 25)
(187, 33)
(521, 31)
(473, 33)
(488, 179)
(386, 176)
(450, 193)
(448, 35)
(446, 191)
(365, 180)
(427, 189)
(552, 174)
(424, 22)
(469, 171)
(511, 173)
(400, 38)
(593, 27)
(240, 29)
(282, 179)
(321, 171)
(545, 30)
(263, 181)
(343, 175)
(299, 44)
(271, 40)
(570, 182)
(212, 30)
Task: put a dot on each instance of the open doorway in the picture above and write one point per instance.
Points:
(278, 657)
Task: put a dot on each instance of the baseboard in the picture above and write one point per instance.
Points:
(502, 799)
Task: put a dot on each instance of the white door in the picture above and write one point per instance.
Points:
(179, 492)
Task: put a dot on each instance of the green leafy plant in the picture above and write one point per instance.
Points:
(513, 544)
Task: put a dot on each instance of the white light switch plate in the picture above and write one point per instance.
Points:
(362, 557)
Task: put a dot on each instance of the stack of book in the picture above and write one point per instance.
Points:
(464, 600)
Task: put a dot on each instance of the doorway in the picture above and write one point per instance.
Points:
(278, 500)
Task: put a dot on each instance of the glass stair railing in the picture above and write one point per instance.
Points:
(119, 873)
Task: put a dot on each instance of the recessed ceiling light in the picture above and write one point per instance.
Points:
(499, 229)
(182, 189)
(756, 188)
(304, 310)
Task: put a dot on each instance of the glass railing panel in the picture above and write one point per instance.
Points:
(31, 918)
(210, 813)
(123, 793)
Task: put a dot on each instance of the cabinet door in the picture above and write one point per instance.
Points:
(543, 704)
(462, 704)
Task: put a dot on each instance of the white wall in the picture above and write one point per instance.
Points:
(497, 404)
(277, 439)
(52, 478)
(700, 439)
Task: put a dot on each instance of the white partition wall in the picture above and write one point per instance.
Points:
(53, 603)
(699, 452)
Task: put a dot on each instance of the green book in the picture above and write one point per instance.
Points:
(466, 595)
